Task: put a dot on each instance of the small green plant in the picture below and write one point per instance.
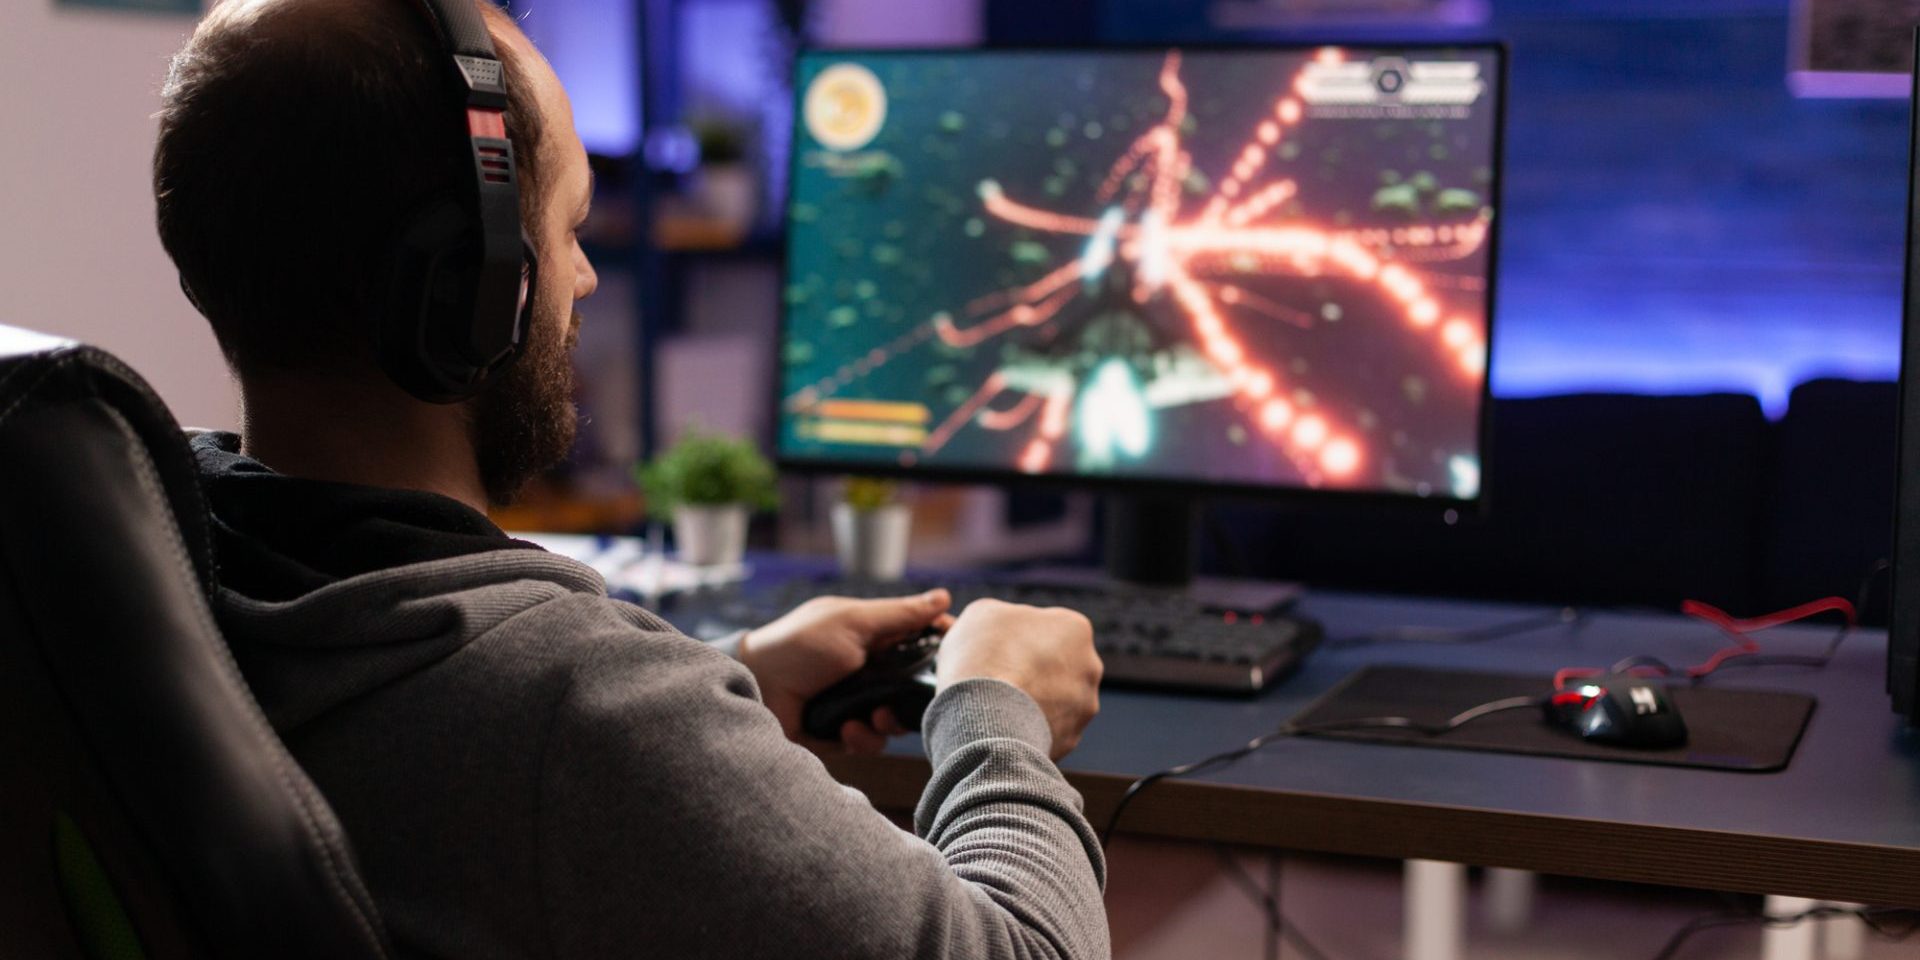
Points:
(707, 469)
(870, 493)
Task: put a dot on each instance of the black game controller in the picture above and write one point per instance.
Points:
(899, 677)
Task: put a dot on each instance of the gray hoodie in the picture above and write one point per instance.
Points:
(527, 768)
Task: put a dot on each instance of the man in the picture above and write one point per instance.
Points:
(527, 768)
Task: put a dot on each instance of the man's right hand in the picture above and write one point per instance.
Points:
(1047, 653)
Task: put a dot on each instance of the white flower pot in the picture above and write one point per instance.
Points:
(711, 536)
(872, 544)
(730, 192)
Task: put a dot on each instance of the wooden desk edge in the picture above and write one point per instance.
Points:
(1569, 846)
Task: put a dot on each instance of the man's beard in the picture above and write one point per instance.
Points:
(524, 421)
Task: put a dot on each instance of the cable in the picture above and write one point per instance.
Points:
(1268, 900)
(1291, 729)
(1745, 650)
(1274, 865)
(1874, 917)
(1563, 617)
(1741, 630)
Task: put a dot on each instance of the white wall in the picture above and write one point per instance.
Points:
(78, 252)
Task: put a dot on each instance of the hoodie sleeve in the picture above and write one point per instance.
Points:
(676, 820)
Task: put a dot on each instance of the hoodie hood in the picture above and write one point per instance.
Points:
(277, 537)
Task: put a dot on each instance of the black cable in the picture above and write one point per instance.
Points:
(1640, 660)
(1291, 729)
(1698, 924)
(1563, 617)
(1274, 878)
(1875, 919)
(1269, 913)
(1268, 900)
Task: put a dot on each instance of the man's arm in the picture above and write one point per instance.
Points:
(676, 819)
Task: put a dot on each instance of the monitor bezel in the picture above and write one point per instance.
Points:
(1449, 506)
(1903, 602)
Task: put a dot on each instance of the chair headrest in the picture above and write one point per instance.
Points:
(37, 369)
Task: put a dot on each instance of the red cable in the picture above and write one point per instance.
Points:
(1726, 621)
(1740, 628)
(1735, 627)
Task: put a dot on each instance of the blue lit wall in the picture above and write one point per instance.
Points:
(1674, 220)
(592, 45)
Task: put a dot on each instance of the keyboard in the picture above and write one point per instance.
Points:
(1146, 638)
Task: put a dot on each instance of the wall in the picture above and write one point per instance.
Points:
(1674, 220)
(79, 256)
(897, 23)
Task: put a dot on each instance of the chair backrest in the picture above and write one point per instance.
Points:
(146, 807)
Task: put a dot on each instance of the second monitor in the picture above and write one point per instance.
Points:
(1226, 269)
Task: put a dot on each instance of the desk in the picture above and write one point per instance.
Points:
(1842, 822)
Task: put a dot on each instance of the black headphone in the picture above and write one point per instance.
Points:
(459, 302)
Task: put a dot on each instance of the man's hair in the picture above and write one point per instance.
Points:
(295, 137)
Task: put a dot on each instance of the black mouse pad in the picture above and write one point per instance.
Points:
(1727, 729)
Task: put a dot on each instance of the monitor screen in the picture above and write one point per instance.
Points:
(1235, 268)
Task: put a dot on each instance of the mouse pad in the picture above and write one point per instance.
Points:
(1727, 729)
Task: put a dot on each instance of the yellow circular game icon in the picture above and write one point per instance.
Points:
(845, 106)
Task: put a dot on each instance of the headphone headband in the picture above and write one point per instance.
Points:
(463, 268)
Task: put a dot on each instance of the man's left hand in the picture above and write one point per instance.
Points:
(825, 639)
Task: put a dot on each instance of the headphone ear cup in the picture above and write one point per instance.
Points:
(430, 339)
(429, 293)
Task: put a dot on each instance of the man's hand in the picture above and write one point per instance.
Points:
(822, 641)
(1046, 652)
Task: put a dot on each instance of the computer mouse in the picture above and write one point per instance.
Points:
(1623, 711)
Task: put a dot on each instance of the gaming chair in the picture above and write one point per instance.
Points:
(146, 807)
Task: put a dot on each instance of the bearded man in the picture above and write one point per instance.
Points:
(525, 767)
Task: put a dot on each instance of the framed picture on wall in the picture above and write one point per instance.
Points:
(1852, 48)
(1324, 14)
(137, 6)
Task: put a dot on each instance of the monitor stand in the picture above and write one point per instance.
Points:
(1152, 545)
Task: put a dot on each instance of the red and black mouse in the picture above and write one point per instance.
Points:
(1621, 710)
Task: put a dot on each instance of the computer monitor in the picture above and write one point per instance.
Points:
(1251, 270)
(1260, 269)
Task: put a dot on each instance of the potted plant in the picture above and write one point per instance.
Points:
(871, 529)
(708, 484)
(727, 187)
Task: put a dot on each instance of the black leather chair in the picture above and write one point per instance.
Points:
(146, 808)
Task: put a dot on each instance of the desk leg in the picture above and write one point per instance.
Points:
(1436, 910)
(1842, 938)
(1788, 943)
(1509, 903)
